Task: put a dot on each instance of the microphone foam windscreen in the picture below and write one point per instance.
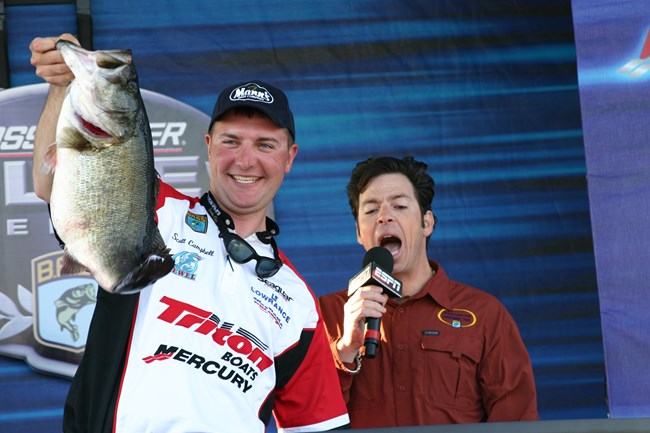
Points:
(381, 256)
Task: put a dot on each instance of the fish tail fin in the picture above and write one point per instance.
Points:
(156, 266)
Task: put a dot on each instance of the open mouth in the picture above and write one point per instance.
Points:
(391, 243)
(93, 129)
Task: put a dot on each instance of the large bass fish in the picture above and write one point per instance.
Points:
(105, 184)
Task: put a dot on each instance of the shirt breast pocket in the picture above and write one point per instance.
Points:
(450, 369)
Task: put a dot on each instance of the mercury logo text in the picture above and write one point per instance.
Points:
(233, 370)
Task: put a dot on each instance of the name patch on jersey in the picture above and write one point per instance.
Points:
(190, 243)
(198, 223)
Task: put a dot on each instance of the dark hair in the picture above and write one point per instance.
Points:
(415, 171)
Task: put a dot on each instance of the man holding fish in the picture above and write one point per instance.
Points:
(215, 338)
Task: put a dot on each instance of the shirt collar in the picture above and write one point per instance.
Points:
(438, 287)
(210, 203)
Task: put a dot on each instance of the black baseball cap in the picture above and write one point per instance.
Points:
(256, 94)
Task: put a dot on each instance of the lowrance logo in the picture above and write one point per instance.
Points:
(21, 138)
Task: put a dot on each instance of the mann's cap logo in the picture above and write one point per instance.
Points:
(251, 92)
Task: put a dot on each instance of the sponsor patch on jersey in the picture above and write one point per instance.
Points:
(223, 334)
(186, 264)
(277, 289)
(229, 367)
(270, 305)
(198, 223)
(457, 318)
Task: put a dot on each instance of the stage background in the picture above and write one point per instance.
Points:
(613, 45)
(485, 92)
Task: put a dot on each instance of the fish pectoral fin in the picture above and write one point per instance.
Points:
(49, 159)
(70, 265)
(156, 266)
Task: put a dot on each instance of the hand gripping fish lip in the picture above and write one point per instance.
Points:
(105, 59)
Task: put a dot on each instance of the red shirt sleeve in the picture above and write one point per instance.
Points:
(312, 397)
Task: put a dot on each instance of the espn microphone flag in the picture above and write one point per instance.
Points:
(377, 266)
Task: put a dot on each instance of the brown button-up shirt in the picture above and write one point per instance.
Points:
(450, 354)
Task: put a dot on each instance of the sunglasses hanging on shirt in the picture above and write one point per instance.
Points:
(240, 250)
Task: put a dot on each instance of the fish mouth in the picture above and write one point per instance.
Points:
(104, 59)
(93, 129)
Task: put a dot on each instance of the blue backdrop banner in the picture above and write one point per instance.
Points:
(485, 92)
(613, 45)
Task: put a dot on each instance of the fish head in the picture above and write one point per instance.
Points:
(104, 95)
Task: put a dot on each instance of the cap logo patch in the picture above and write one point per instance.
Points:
(251, 92)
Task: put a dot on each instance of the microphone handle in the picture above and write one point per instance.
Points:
(372, 337)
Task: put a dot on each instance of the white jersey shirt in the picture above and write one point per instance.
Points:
(214, 347)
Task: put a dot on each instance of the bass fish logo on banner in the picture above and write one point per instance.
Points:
(57, 311)
(63, 304)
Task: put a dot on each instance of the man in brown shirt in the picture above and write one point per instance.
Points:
(449, 353)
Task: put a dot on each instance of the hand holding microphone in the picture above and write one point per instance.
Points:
(376, 268)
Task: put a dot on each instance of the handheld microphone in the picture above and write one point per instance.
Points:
(376, 268)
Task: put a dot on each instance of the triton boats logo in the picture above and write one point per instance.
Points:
(635, 68)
